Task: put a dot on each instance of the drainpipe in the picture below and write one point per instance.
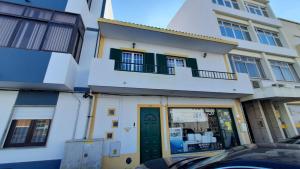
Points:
(88, 117)
(77, 115)
(92, 117)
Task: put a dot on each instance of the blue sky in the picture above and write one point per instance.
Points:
(159, 12)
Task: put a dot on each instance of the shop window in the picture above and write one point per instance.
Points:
(194, 130)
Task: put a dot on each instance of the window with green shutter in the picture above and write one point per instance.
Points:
(116, 54)
(162, 66)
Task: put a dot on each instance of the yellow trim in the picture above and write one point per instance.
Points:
(120, 162)
(284, 126)
(133, 50)
(93, 117)
(226, 63)
(101, 46)
(176, 55)
(298, 125)
(167, 31)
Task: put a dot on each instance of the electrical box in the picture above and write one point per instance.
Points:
(82, 154)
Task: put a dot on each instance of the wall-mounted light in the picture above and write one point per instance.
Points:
(204, 55)
(133, 45)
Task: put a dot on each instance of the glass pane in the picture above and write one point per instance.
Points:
(220, 2)
(58, 38)
(271, 40)
(40, 131)
(238, 34)
(179, 62)
(235, 4)
(278, 42)
(252, 10)
(194, 130)
(253, 70)
(277, 72)
(262, 37)
(240, 67)
(126, 61)
(65, 18)
(171, 65)
(227, 3)
(7, 28)
(20, 132)
(38, 13)
(288, 76)
(246, 36)
(229, 32)
(138, 62)
(258, 12)
(223, 31)
(226, 126)
(11, 9)
(30, 35)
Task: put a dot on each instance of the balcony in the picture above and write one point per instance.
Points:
(179, 81)
(276, 91)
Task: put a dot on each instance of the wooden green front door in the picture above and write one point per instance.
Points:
(150, 136)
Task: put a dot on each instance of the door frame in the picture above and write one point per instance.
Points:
(139, 107)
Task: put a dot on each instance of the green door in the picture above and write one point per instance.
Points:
(150, 137)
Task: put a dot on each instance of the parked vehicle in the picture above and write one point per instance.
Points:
(254, 156)
(292, 140)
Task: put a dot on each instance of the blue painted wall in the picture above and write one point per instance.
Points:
(19, 65)
(49, 4)
(51, 164)
(37, 98)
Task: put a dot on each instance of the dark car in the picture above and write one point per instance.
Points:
(293, 140)
(254, 156)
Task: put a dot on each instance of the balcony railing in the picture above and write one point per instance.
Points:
(214, 74)
(144, 68)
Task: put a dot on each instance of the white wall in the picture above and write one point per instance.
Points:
(61, 130)
(127, 114)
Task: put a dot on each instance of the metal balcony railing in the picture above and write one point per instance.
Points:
(214, 74)
(144, 68)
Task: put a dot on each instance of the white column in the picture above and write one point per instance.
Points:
(267, 67)
(286, 117)
(252, 32)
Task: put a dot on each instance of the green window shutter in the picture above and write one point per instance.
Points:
(162, 67)
(116, 54)
(192, 63)
(149, 65)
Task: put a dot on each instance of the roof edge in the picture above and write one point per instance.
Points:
(167, 31)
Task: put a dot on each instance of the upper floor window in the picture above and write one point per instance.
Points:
(39, 29)
(256, 9)
(132, 61)
(268, 37)
(249, 65)
(234, 30)
(174, 61)
(228, 3)
(284, 71)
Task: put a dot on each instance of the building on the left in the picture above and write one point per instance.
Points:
(46, 48)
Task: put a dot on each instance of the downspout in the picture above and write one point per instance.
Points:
(88, 117)
(77, 115)
(92, 117)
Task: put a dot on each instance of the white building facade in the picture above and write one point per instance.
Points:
(162, 93)
(264, 52)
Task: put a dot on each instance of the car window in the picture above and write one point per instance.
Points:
(244, 167)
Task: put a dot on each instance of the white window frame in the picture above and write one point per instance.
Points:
(257, 7)
(171, 68)
(246, 59)
(282, 65)
(241, 28)
(133, 64)
(274, 36)
(228, 1)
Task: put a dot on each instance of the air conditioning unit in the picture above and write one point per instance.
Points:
(255, 84)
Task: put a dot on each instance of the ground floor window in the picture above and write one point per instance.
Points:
(27, 133)
(199, 129)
